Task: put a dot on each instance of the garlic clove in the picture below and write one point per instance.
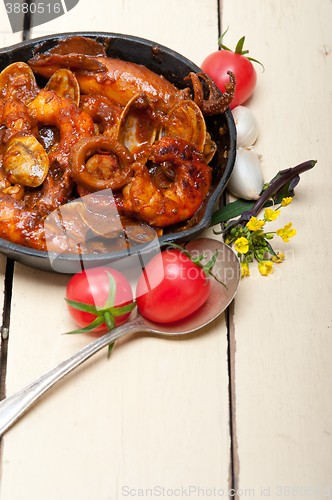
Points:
(246, 180)
(246, 126)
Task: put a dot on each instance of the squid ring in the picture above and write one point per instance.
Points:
(84, 148)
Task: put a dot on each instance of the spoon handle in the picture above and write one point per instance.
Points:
(14, 406)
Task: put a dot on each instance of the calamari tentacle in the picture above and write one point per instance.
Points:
(215, 103)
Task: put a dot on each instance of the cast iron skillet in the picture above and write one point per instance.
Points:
(175, 68)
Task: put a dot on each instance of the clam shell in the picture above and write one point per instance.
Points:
(17, 81)
(186, 121)
(138, 124)
(25, 160)
(64, 83)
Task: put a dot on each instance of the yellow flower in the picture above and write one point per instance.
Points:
(242, 245)
(265, 267)
(254, 224)
(245, 269)
(286, 201)
(286, 232)
(270, 214)
(279, 258)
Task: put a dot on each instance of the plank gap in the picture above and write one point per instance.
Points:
(219, 7)
(8, 287)
(231, 349)
(27, 22)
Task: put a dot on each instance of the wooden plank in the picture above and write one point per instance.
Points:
(156, 414)
(282, 324)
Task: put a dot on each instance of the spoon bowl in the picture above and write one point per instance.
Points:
(226, 268)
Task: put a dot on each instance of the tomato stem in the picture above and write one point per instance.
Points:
(104, 314)
(197, 261)
(238, 49)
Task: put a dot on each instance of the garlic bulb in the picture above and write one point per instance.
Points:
(246, 126)
(246, 180)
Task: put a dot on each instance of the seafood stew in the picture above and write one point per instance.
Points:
(163, 177)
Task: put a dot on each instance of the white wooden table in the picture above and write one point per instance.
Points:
(244, 407)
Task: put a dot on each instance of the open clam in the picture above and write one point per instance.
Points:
(186, 121)
(25, 160)
(138, 232)
(100, 214)
(64, 83)
(65, 230)
(138, 124)
(17, 81)
(210, 148)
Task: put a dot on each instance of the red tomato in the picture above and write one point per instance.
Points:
(92, 287)
(218, 63)
(171, 287)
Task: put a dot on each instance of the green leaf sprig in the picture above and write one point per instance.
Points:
(281, 186)
(250, 240)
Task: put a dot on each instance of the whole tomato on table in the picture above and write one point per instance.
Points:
(99, 299)
(218, 63)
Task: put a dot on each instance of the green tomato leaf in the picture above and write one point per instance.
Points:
(239, 47)
(255, 60)
(111, 294)
(110, 349)
(222, 46)
(97, 322)
(109, 320)
(118, 311)
(81, 306)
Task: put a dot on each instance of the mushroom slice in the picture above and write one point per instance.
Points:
(138, 124)
(163, 176)
(99, 212)
(186, 121)
(138, 232)
(64, 83)
(17, 81)
(65, 230)
(25, 160)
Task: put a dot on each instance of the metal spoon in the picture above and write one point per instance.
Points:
(227, 269)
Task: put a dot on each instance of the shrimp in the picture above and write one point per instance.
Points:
(17, 81)
(50, 109)
(21, 225)
(143, 199)
(25, 226)
(104, 113)
(55, 193)
(16, 118)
